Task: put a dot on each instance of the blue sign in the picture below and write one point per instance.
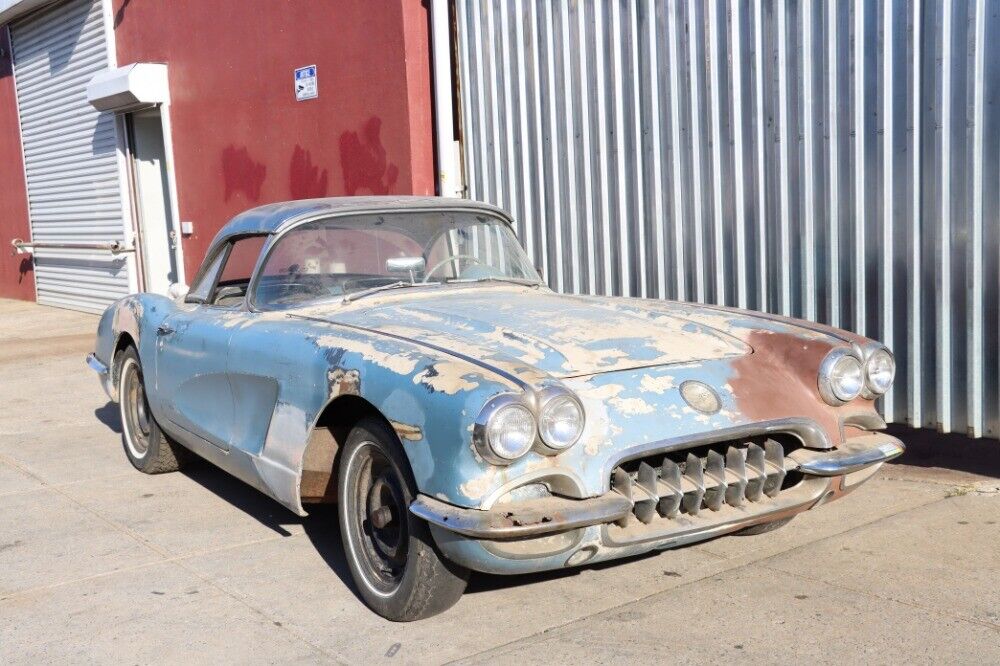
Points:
(306, 85)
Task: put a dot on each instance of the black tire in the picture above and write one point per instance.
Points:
(146, 447)
(396, 566)
(764, 528)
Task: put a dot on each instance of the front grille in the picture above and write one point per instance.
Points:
(706, 477)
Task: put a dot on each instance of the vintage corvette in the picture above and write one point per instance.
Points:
(401, 358)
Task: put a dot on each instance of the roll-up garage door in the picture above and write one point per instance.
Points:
(71, 157)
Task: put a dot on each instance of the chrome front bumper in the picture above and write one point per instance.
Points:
(103, 374)
(534, 518)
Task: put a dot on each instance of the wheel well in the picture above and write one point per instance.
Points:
(124, 341)
(322, 455)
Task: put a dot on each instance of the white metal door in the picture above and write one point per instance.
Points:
(152, 201)
(71, 156)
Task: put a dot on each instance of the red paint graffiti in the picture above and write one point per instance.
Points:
(305, 181)
(364, 162)
(242, 174)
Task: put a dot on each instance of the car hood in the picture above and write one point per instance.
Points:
(523, 329)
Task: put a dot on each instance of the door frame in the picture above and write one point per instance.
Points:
(175, 240)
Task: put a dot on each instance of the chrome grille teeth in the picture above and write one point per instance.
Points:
(695, 478)
(742, 475)
(670, 477)
(774, 461)
(621, 482)
(715, 481)
(756, 473)
(736, 471)
(645, 509)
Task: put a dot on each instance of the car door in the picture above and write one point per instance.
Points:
(192, 348)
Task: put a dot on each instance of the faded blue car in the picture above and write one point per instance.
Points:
(402, 358)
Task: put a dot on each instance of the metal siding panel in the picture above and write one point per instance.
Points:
(70, 153)
(763, 301)
(736, 50)
(829, 160)
(974, 284)
(944, 239)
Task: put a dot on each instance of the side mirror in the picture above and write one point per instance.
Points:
(411, 265)
(177, 291)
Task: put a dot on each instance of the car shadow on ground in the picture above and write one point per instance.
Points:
(110, 416)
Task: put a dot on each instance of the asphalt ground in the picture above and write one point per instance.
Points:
(101, 564)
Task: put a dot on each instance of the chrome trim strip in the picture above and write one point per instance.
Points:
(522, 519)
(846, 462)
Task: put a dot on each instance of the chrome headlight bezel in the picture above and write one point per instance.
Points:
(549, 399)
(534, 402)
(832, 394)
(487, 417)
(871, 391)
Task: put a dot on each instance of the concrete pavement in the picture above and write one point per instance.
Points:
(99, 563)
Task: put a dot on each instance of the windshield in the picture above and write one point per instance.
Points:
(337, 257)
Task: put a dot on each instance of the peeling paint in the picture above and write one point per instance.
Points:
(407, 432)
(401, 364)
(448, 377)
(657, 384)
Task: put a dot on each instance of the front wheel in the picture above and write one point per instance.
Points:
(146, 447)
(393, 560)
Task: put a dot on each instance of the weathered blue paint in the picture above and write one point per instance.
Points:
(245, 388)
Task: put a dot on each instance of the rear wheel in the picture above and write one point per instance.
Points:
(146, 447)
(393, 560)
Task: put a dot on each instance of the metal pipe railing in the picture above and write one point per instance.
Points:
(114, 247)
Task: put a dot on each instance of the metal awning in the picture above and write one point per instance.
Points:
(13, 9)
(135, 86)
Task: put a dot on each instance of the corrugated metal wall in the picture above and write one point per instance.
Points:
(836, 161)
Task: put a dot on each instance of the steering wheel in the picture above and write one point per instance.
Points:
(453, 257)
(286, 289)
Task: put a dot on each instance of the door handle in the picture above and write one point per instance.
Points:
(164, 329)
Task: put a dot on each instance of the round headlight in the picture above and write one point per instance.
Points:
(561, 422)
(880, 370)
(841, 378)
(510, 432)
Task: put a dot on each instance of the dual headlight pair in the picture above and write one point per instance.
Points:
(511, 425)
(844, 374)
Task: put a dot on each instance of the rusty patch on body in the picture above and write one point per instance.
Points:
(781, 380)
(344, 382)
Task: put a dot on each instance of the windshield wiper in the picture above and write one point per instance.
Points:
(496, 278)
(353, 296)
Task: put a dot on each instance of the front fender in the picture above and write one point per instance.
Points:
(430, 398)
(133, 316)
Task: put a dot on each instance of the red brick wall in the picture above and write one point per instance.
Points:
(16, 278)
(240, 138)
